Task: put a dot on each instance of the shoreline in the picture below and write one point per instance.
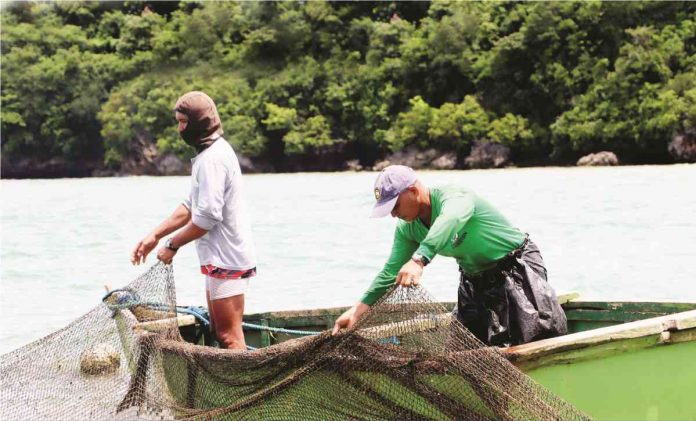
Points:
(488, 155)
(100, 174)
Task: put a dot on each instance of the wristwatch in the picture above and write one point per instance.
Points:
(419, 258)
(168, 244)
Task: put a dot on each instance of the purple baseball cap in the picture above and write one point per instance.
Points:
(389, 184)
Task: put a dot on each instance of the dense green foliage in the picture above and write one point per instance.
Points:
(91, 80)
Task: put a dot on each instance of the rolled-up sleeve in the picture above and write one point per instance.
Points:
(210, 198)
(187, 201)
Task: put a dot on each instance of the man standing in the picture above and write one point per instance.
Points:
(503, 297)
(215, 215)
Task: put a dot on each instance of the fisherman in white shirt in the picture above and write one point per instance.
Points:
(215, 215)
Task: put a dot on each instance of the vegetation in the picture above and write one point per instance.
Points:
(296, 80)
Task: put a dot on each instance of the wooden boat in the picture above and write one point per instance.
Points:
(620, 360)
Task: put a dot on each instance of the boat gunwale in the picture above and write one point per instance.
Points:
(569, 305)
(337, 311)
(602, 341)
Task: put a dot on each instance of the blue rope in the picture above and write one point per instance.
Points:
(198, 312)
(393, 340)
(280, 330)
(125, 301)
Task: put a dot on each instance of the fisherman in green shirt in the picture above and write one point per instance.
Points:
(503, 298)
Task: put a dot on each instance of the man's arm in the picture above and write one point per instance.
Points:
(190, 232)
(206, 214)
(350, 317)
(402, 249)
(176, 220)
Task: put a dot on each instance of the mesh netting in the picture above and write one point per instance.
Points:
(406, 359)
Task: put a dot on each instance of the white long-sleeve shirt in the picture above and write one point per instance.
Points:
(217, 203)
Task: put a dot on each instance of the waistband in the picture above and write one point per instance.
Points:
(518, 251)
(220, 273)
(500, 263)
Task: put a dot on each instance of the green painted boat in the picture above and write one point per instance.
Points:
(620, 360)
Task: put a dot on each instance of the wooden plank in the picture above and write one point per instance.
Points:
(566, 298)
(265, 335)
(160, 325)
(589, 353)
(125, 320)
(685, 320)
(653, 326)
(406, 326)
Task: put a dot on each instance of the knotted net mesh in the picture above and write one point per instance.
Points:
(407, 358)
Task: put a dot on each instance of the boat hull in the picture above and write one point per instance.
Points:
(653, 383)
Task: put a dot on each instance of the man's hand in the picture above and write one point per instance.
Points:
(410, 274)
(165, 255)
(350, 317)
(143, 248)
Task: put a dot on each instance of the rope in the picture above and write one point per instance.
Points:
(280, 330)
(131, 300)
(125, 301)
(198, 312)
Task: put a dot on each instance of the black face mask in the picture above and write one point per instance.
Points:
(194, 132)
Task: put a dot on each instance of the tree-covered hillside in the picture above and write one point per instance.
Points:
(309, 85)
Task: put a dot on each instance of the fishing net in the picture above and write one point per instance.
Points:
(406, 359)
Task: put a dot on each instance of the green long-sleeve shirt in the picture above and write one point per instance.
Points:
(463, 226)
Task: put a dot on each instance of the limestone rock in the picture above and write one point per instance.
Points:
(353, 165)
(102, 358)
(488, 155)
(683, 147)
(19, 167)
(248, 166)
(411, 157)
(447, 161)
(599, 159)
(170, 164)
(379, 166)
(417, 159)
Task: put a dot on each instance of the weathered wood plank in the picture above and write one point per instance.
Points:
(159, 325)
(565, 298)
(641, 328)
(265, 335)
(685, 321)
(589, 353)
(406, 326)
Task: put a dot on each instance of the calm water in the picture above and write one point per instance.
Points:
(607, 233)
